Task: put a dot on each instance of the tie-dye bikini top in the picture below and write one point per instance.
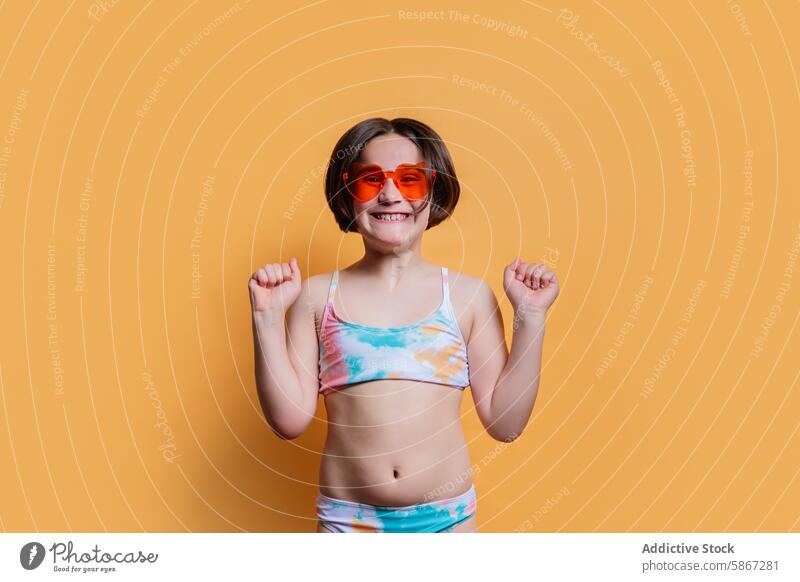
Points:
(431, 350)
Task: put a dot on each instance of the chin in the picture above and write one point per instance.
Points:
(392, 243)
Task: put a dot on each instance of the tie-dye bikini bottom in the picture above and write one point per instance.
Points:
(438, 516)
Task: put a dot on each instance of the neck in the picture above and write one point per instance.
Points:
(391, 265)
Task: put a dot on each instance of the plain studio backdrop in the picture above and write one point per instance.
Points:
(153, 154)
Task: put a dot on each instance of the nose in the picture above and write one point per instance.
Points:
(389, 192)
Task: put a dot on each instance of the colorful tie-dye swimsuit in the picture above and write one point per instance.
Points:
(431, 350)
(438, 516)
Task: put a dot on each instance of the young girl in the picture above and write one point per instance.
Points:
(393, 340)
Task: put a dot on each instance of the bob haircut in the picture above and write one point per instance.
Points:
(446, 189)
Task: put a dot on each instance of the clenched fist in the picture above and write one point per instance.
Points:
(274, 287)
(530, 286)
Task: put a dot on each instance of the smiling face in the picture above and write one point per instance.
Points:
(387, 221)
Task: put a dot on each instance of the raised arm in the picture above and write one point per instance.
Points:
(504, 385)
(285, 347)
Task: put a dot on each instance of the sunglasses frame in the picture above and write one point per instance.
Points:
(386, 175)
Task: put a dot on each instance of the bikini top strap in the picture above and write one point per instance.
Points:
(328, 304)
(332, 287)
(448, 305)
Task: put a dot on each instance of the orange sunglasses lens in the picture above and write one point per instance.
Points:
(366, 182)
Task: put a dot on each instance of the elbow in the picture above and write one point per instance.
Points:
(286, 435)
(505, 436)
(287, 431)
(506, 427)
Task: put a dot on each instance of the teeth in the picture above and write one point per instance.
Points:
(390, 216)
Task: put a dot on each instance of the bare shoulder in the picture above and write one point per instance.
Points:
(314, 292)
(468, 286)
(317, 284)
(471, 296)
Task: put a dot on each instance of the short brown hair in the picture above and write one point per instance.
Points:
(348, 149)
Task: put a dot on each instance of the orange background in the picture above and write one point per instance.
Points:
(154, 154)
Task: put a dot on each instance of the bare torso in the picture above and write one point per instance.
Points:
(394, 442)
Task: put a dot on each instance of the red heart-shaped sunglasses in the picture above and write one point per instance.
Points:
(365, 181)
